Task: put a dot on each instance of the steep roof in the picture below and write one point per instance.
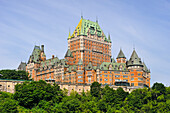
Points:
(35, 56)
(22, 66)
(121, 54)
(80, 62)
(84, 26)
(68, 53)
(113, 66)
(134, 60)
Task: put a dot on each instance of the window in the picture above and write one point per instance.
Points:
(110, 79)
(80, 80)
(105, 75)
(132, 74)
(132, 84)
(117, 79)
(117, 75)
(140, 79)
(132, 79)
(140, 84)
(105, 71)
(125, 76)
(100, 75)
(100, 79)
(105, 79)
(80, 76)
(139, 74)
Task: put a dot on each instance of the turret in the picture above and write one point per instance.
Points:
(134, 61)
(121, 57)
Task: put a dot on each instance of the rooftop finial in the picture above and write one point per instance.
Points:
(133, 46)
(109, 36)
(81, 14)
(69, 34)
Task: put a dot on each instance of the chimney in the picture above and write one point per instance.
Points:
(42, 48)
(52, 56)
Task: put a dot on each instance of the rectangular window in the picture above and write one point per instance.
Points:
(132, 79)
(125, 76)
(140, 79)
(132, 74)
(117, 75)
(80, 80)
(105, 71)
(105, 79)
(100, 79)
(110, 79)
(117, 79)
(139, 74)
(80, 76)
(100, 75)
(140, 84)
(105, 75)
(132, 84)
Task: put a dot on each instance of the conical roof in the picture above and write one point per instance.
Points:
(68, 53)
(121, 54)
(134, 59)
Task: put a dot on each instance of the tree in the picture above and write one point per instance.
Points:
(29, 94)
(95, 90)
(13, 74)
(159, 87)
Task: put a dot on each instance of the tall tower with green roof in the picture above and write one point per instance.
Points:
(89, 43)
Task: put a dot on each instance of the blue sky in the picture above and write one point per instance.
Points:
(142, 24)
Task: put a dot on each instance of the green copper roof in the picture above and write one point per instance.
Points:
(35, 57)
(134, 60)
(68, 53)
(121, 54)
(86, 26)
(80, 62)
(113, 66)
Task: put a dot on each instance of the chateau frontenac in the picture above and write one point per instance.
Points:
(88, 59)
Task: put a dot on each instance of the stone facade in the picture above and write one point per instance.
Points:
(9, 86)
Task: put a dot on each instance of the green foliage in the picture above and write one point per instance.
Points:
(40, 97)
(95, 89)
(29, 94)
(13, 74)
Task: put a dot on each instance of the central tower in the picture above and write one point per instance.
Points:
(89, 43)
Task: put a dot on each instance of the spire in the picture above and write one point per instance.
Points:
(69, 36)
(121, 54)
(81, 14)
(109, 36)
(96, 19)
